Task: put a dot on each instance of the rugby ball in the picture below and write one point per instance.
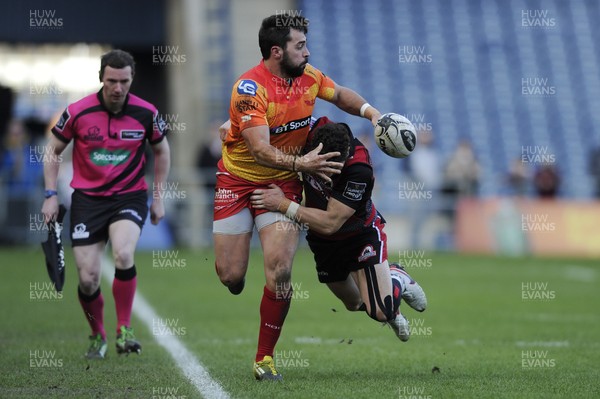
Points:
(395, 135)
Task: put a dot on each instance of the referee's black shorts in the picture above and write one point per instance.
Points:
(91, 215)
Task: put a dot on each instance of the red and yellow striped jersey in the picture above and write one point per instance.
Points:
(260, 98)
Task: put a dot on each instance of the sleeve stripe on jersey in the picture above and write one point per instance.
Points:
(59, 136)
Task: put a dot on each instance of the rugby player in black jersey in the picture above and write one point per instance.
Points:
(345, 231)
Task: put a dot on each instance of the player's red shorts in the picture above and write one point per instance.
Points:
(232, 193)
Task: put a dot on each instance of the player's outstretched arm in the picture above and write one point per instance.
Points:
(52, 152)
(162, 164)
(324, 222)
(353, 103)
(257, 140)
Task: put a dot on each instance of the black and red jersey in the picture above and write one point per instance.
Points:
(352, 187)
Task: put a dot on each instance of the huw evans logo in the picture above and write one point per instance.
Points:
(413, 55)
(419, 122)
(536, 290)
(537, 222)
(414, 259)
(163, 55)
(413, 191)
(537, 19)
(537, 87)
(537, 154)
(536, 359)
(44, 358)
(44, 19)
(168, 259)
(290, 19)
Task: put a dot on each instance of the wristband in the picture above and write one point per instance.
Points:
(364, 108)
(292, 210)
(50, 193)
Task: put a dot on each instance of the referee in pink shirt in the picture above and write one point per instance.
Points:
(109, 130)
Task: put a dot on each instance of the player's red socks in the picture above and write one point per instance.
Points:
(93, 308)
(123, 289)
(273, 310)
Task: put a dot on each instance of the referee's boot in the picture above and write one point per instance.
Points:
(126, 342)
(98, 347)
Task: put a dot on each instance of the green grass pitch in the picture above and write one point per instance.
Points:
(495, 328)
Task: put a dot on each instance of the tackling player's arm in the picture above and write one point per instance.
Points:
(257, 140)
(321, 221)
(53, 149)
(162, 164)
(351, 102)
(224, 129)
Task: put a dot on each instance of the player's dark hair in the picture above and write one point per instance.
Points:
(335, 137)
(117, 59)
(275, 31)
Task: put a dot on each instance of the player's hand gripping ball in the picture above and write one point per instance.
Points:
(395, 135)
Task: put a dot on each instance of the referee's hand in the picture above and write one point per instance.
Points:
(50, 209)
(157, 211)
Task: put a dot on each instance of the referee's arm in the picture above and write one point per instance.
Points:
(52, 152)
(162, 164)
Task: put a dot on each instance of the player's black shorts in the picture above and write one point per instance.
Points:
(336, 259)
(91, 215)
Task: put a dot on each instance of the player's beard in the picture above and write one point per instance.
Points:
(289, 69)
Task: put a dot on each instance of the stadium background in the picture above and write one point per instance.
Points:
(519, 81)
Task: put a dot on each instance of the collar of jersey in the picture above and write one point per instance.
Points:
(101, 100)
(287, 81)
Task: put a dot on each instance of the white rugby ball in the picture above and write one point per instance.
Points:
(395, 135)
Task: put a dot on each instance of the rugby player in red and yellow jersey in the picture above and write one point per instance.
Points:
(270, 111)
(109, 130)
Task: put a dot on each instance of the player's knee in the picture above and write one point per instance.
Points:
(89, 282)
(229, 280)
(280, 278)
(381, 314)
(279, 268)
(229, 276)
(283, 274)
(123, 257)
(353, 306)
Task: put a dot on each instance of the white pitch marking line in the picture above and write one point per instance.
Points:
(185, 360)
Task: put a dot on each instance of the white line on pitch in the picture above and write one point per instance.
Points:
(185, 360)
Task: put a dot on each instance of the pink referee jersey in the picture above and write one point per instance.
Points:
(108, 153)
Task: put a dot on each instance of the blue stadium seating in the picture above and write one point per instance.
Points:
(482, 56)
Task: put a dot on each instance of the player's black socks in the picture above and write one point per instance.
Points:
(125, 274)
(87, 298)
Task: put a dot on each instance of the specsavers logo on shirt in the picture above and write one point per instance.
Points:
(103, 157)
